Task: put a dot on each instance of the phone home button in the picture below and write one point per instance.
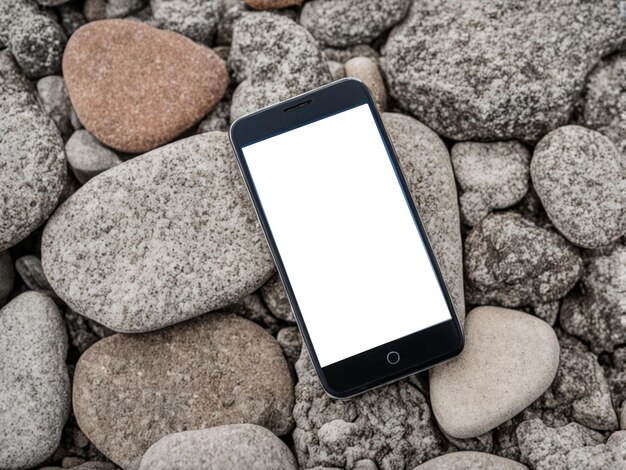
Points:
(393, 357)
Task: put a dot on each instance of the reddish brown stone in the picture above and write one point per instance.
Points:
(136, 87)
(272, 4)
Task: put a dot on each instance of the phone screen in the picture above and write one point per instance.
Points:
(354, 257)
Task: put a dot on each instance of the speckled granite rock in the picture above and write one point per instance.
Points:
(273, 58)
(215, 370)
(31, 157)
(470, 461)
(491, 176)
(6, 276)
(217, 120)
(426, 166)
(578, 176)
(142, 89)
(56, 102)
(342, 23)
(476, 70)
(272, 4)
(510, 359)
(87, 157)
(275, 298)
(177, 238)
(196, 19)
(228, 447)
(34, 384)
(392, 426)
(510, 261)
(366, 70)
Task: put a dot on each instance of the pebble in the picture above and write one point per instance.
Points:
(56, 102)
(195, 19)
(122, 8)
(426, 165)
(342, 23)
(513, 262)
(218, 369)
(87, 157)
(71, 18)
(217, 119)
(34, 383)
(6, 276)
(31, 157)
(579, 178)
(470, 461)
(491, 176)
(254, 309)
(290, 341)
(228, 447)
(366, 70)
(177, 238)
(344, 54)
(510, 358)
(143, 89)
(272, 4)
(337, 69)
(469, 70)
(272, 58)
(275, 298)
(31, 272)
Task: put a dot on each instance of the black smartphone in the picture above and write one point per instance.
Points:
(347, 240)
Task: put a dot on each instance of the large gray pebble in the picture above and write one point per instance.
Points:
(343, 23)
(228, 447)
(578, 176)
(488, 70)
(34, 383)
(196, 19)
(31, 157)
(470, 461)
(6, 276)
(164, 237)
(87, 156)
(491, 176)
(273, 58)
(56, 102)
(512, 262)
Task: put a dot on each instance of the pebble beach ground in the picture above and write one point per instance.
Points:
(142, 324)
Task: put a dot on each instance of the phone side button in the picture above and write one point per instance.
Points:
(393, 357)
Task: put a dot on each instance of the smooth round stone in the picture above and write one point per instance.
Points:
(177, 237)
(34, 383)
(510, 358)
(6, 276)
(87, 157)
(135, 87)
(31, 157)
(366, 70)
(275, 297)
(228, 447)
(578, 176)
(469, 460)
(342, 23)
(214, 370)
(195, 19)
(272, 4)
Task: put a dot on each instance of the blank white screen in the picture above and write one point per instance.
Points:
(345, 234)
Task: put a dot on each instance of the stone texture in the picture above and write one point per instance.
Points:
(275, 298)
(195, 19)
(229, 447)
(392, 426)
(366, 70)
(217, 119)
(143, 88)
(132, 390)
(470, 461)
(87, 157)
(31, 157)
(83, 332)
(56, 102)
(511, 261)
(122, 8)
(428, 172)
(34, 383)
(344, 54)
(616, 375)
(272, 4)
(490, 175)
(342, 23)
(177, 238)
(272, 59)
(290, 341)
(31, 272)
(510, 358)
(578, 176)
(487, 70)
(6, 276)
(252, 307)
(337, 69)
(71, 18)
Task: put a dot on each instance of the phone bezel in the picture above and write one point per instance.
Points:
(369, 369)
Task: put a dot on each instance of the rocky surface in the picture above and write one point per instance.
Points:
(180, 216)
(290, 340)
(578, 176)
(56, 102)
(470, 460)
(195, 19)
(34, 383)
(228, 447)
(107, 83)
(275, 298)
(6, 276)
(272, 4)
(31, 273)
(219, 369)
(87, 157)
(366, 70)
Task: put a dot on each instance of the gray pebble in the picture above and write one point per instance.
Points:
(470, 460)
(337, 70)
(196, 19)
(252, 307)
(344, 54)
(56, 102)
(366, 70)
(122, 8)
(217, 119)
(6, 276)
(88, 157)
(275, 297)
(95, 10)
(30, 270)
(290, 340)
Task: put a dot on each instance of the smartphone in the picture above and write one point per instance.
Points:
(347, 240)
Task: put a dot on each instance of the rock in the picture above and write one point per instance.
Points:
(577, 175)
(95, 10)
(71, 18)
(392, 426)
(31, 157)
(6, 276)
(217, 119)
(491, 176)
(598, 314)
(122, 8)
(366, 70)
(290, 341)
(34, 384)
(252, 307)
(428, 172)
(468, 70)
(510, 358)
(272, 4)
(51, 3)
(83, 332)
(511, 261)
(177, 238)
(343, 23)
(56, 102)
(337, 70)
(232, 446)
(143, 89)
(548, 312)
(616, 375)
(30, 270)
(87, 157)
(344, 54)
(86, 466)
(217, 369)
(273, 59)
(196, 19)
(275, 298)
(470, 461)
